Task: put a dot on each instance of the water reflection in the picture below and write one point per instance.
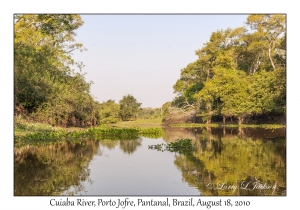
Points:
(60, 168)
(52, 169)
(129, 146)
(234, 161)
(228, 161)
(110, 144)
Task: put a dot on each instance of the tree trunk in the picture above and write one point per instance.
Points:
(270, 56)
(241, 120)
(241, 132)
(256, 65)
(224, 120)
(208, 121)
(207, 74)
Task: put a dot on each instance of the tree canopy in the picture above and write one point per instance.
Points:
(239, 72)
(46, 86)
(129, 107)
(109, 112)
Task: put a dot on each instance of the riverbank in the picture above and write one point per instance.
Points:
(33, 133)
(40, 134)
(215, 125)
(156, 122)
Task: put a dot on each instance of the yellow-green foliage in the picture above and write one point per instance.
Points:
(238, 73)
(109, 112)
(50, 136)
(47, 89)
(267, 126)
(52, 169)
(185, 146)
(195, 125)
(233, 160)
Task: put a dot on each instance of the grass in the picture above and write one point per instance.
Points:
(23, 127)
(37, 133)
(156, 122)
(34, 127)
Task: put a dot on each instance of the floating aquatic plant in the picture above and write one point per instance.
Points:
(194, 125)
(181, 145)
(96, 133)
(266, 126)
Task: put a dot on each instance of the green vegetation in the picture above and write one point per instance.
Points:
(46, 87)
(153, 133)
(149, 113)
(109, 112)
(230, 159)
(201, 125)
(53, 169)
(128, 113)
(194, 125)
(156, 122)
(181, 146)
(150, 130)
(37, 134)
(233, 160)
(23, 128)
(129, 107)
(239, 73)
(268, 126)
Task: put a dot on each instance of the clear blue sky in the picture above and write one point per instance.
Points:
(142, 55)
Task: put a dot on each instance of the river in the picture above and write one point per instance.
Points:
(228, 161)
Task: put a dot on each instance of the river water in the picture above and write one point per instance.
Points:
(227, 161)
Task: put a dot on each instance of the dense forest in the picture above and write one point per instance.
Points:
(239, 73)
(46, 86)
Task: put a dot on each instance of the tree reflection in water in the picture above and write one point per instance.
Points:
(253, 160)
(224, 158)
(52, 169)
(129, 146)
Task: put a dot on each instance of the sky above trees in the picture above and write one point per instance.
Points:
(142, 55)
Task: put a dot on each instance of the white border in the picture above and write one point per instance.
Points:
(8, 201)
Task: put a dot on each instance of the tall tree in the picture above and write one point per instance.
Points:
(129, 107)
(238, 73)
(269, 28)
(46, 86)
(109, 112)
